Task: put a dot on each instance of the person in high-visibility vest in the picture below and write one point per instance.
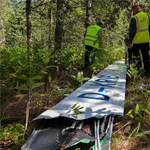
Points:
(139, 35)
(93, 40)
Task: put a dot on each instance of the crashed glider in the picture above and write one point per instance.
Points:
(66, 126)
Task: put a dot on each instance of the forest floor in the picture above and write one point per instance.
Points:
(120, 136)
(13, 110)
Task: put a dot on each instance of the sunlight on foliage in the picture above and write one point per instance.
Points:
(12, 132)
(79, 78)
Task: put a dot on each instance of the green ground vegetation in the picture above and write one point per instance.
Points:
(32, 81)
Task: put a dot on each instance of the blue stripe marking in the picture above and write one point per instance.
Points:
(105, 97)
(101, 90)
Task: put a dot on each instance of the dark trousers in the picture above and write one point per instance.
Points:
(89, 53)
(130, 59)
(144, 47)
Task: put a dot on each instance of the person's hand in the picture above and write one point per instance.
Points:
(130, 46)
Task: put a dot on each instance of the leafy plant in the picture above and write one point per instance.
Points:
(141, 134)
(72, 57)
(76, 110)
(79, 78)
(29, 86)
(65, 91)
(12, 132)
(136, 132)
(30, 83)
(144, 89)
(137, 114)
(133, 73)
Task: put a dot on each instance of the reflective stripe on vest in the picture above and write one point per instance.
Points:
(91, 37)
(142, 31)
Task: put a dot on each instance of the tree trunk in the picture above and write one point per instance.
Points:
(28, 22)
(131, 7)
(59, 25)
(2, 32)
(88, 12)
(50, 16)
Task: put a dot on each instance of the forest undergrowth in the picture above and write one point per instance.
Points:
(130, 132)
(42, 61)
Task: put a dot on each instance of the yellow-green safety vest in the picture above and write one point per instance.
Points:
(142, 28)
(91, 37)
